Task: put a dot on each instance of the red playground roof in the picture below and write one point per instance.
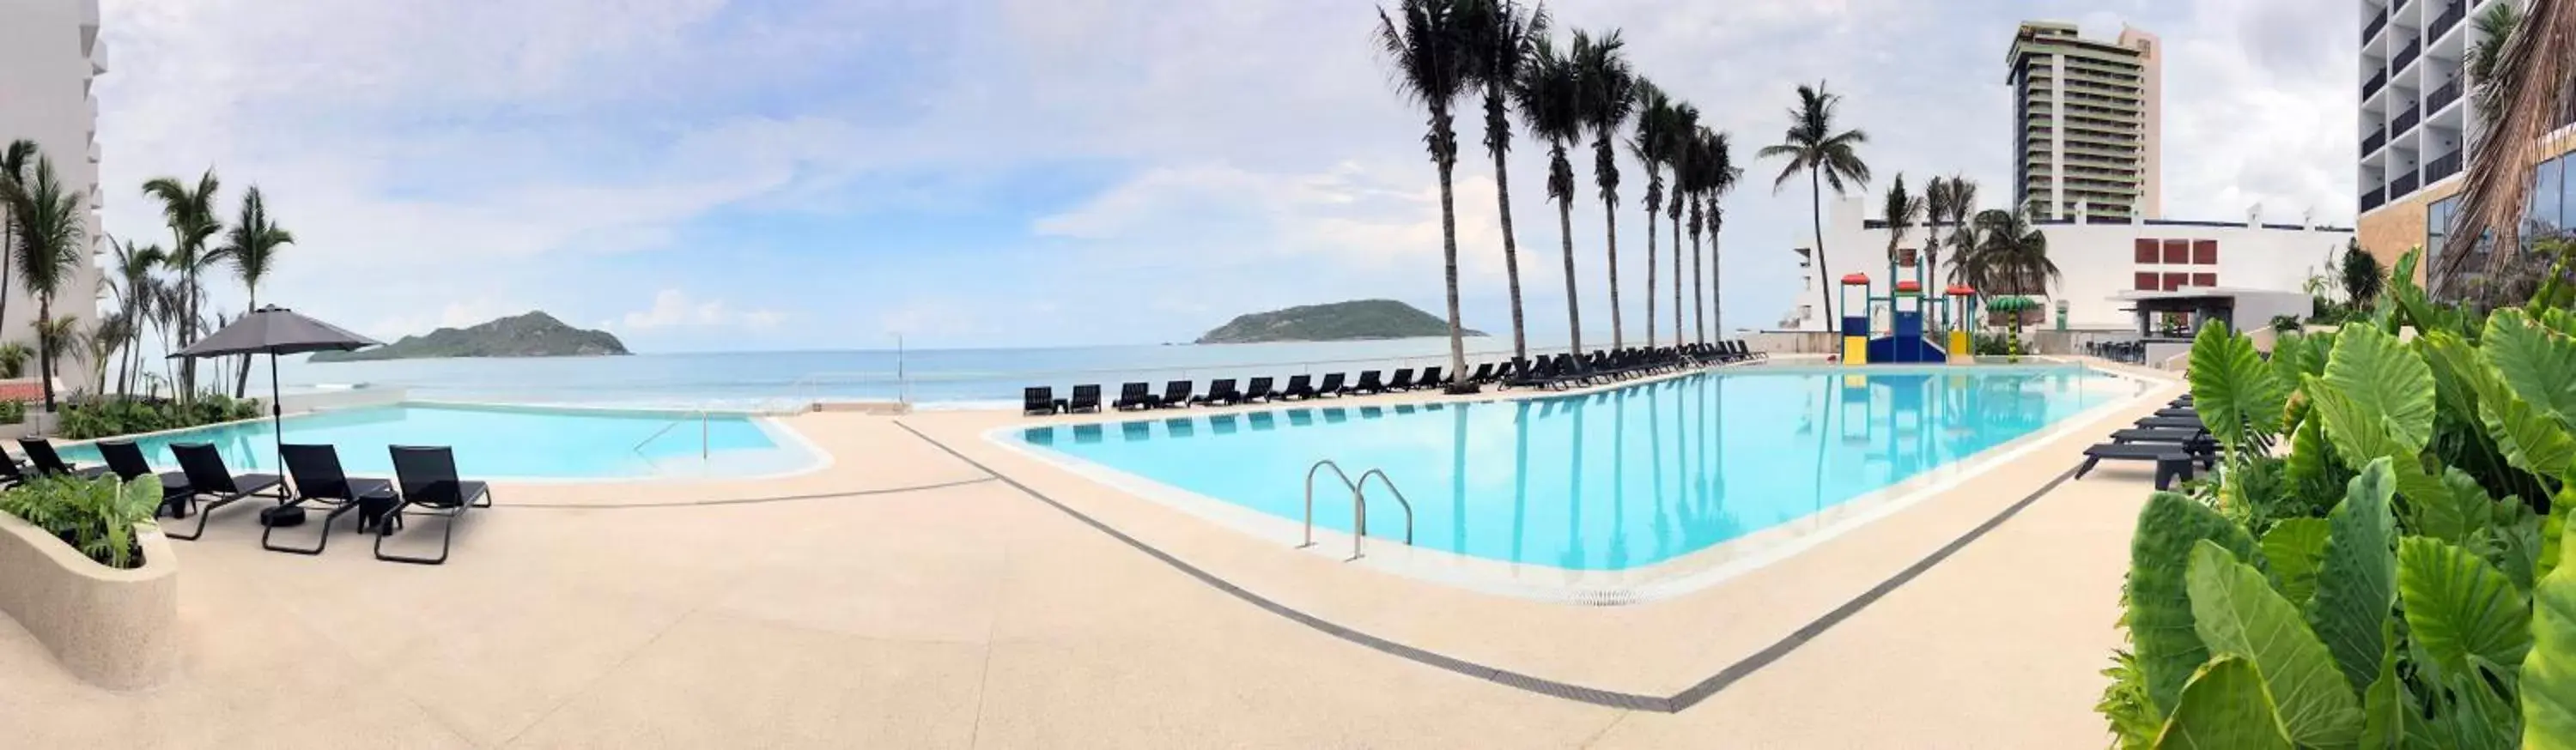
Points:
(1960, 290)
(1856, 279)
(1909, 287)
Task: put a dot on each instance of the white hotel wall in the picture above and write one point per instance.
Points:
(49, 55)
(2098, 260)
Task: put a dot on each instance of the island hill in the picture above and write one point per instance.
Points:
(534, 334)
(1341, 321)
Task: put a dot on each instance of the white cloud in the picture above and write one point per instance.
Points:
(673, 308)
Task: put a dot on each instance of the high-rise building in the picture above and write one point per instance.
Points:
(2420, 124)
(50, 55)
(2086, 132)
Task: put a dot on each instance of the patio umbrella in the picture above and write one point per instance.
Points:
(274, 331)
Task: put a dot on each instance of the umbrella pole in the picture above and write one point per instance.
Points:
(276, 413)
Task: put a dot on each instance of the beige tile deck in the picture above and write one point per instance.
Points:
(971, 615)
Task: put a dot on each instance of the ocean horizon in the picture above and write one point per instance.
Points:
(934, 378)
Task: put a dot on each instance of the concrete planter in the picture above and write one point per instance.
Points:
(116, 629)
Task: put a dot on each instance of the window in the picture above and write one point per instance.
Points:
(2146, 254)
(2547, 212)
(2437, 227)
(2204, 279)
(2177, 252)
(2175, 281)
(2147, 282)
(2204, 253)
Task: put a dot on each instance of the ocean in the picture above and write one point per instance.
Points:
(931, 378)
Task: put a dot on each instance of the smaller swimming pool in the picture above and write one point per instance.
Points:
(510, 442)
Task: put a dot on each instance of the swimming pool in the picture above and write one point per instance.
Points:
(1608, 481)
(509, 442)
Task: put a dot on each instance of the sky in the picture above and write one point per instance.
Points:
(715, 175)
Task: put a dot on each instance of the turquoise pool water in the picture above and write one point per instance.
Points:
(515, 442)
(1607, 481)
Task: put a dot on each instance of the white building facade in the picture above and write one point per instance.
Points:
(2100, 259)
(50, 55)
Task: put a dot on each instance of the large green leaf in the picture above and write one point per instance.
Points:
(2454, 364)
(2357, 578)
(2537, 363)
(2459, 609)
(2460, 509)
(2312, 466)
(2553, 531)
(2299, 354)
(2236, 394)
(2385, 382)
(2389, 711)
(2160, 616)
(2474, 717)
(2293, 548)
(2549, 671)
(2237, 613)
(2225, 707)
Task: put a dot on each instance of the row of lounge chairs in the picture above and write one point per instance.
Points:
(2132, 352)
(2174, 438)
(1560, 371)
(426, 483)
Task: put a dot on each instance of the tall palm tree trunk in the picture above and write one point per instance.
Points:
(45, 354)
(1511, 254)
(1677, 268)
(1610, 219)
(241, 380)
(1715, 318)
(1449, 253)
(1650, 274)
(1824, 272)
(1699, 291)
(1573, 307)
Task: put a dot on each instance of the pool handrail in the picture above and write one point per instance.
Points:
(705, 441)
(1359, 504)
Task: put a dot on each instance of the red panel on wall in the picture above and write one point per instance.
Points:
(2177, 252)
(2204, 279)
(2204, 253)
(2175, 281)
(2146, 252)
(2147, 281)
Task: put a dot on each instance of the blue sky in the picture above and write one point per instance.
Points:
(703, 175)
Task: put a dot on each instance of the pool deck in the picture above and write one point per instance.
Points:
(932, 588)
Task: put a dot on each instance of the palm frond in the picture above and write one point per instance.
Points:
(2533, 75)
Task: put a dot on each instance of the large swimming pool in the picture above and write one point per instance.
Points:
(1607, 481)
(510, 442)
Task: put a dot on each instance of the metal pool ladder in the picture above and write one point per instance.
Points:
(1359, 503)
(705, 445)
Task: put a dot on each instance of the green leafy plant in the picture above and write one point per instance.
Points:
(127, 416)
(2383, 562)
(95, 516)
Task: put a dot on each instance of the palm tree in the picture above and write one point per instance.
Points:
(52, 243)
(2530, 84)
(1498, 48)
(1828, 158)
(1551, 102)
(113, 331)
(1684, 130)
(1651, 147)
(2496, 24)
(1432, 70)
(2014, 254)
(1901, 210)
(1609, 95)
(58, 340)
(134, 294)
(190, 213)
(252, 247)
(14, 163)
(1718, 176)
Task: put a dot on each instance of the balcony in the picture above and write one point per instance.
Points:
(2441, 167)
(2442, 97)
(2372, 199)
(2402, 186)
(2370, 144)
(2405, 56)
(2405, 123)
(2377, 81)
(2394, 7)
(2377, 22)
(2449, 17)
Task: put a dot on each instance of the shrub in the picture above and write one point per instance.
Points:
(2401, 571)
(13, 412)
(126, 416)
(1998, 345)
(95, 516)
(2285, 324)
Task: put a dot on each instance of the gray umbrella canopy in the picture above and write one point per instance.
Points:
(275, 330)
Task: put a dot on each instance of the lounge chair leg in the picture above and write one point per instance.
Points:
(2089, 461)
(201, 510)
(446, 538)
(318, 545)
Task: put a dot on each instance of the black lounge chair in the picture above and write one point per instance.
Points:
(1369, 383)
(319, 480)
(1176, 394)
(2172, 423)
(2172, 461)
(2197, 441)
(124, 458)
(1299, 387)
(2178, 411)
(1134, 396)
(41, 455)
(1038, 399)
(1085, 398)
(1403, 380)
(10, 476)
(1259, 391)
(429, 485)
(1484, 374)
(1221, 392)
(1332, 385)
(208, 478)
(1430, 378)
